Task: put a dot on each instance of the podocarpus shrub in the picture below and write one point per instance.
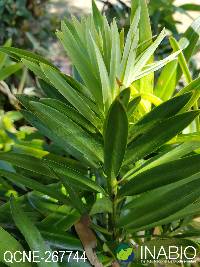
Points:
(131, 166)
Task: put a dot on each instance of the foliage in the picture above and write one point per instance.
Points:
(119, 130)
(161, 13)
(23, 21)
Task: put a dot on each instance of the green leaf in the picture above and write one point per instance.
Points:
(165, 110)
(115, 139)
(156, 136)
(9, 243)
(32, 184)
(192, 35)
(73, 134)
(129, 42)
(160, 203)
(181, 60)
(69, 93)
(189, 210)
(35, 68)
(82, 89)
(50, 91)
(101, 205)
(27, 162)
(155, 66)
(3, 56)
(144, 25)
(70, 112)
(190, 7)
(115, 58)
(105, 82)
(193, 86)
(173, 154)
(43, 166)
(80, 61)
(73, 177)
(107, 42)
(73, 194)
(18, 54)
(161, 175)
(30, 232)
(124, 97)
(146, 83)
(132, 106)
(131, 61)
(9, 70)
(59, 140)
(62, 219)
(62, 241)
(96, 15)
(150, 97)
(167, 81)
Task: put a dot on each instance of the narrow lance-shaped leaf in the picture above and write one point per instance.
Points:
(62, 240)
(115, 58)
(7, 71)
(30, 233)
(190, 7)
(18, 54)
(41, 167)
(156, 136)
(161, 175)
(50, 91)
(155, 66)
(160, 203)
(9, 244)
(80, 61)
(181, 60)
(3, 56)
(73, 195)
(68, 92)
(193, 86)
(69, 112)
(146, 83)
(167, 81)
(131, 61)
(133, 104)
(74, 177)
(96, 15)
(173, 154)
(105, 82)
(192, 35)
(129, 42)
(115, 139)
(35, 68)
(74, 134)
(190, 210)
(56, 138)
(34, 185)
(124, 97)
(165, 110)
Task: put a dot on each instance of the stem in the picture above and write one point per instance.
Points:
(114, 213)
(112, 187)
(196, 107)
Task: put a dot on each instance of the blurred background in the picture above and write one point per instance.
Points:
(31, 24)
